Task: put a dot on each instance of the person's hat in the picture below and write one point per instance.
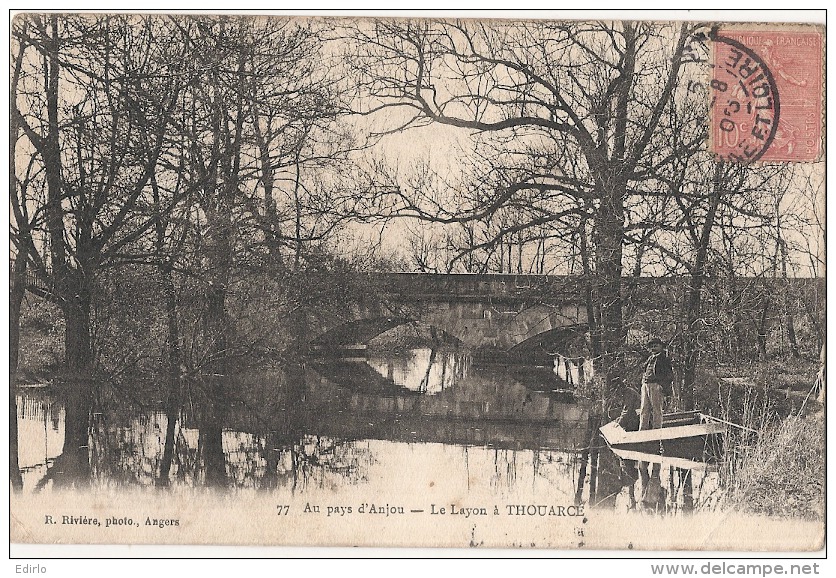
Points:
(655, 341)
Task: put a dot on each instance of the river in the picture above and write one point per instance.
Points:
(392, 423)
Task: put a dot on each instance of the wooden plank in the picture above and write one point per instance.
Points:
(676, 462)
(615, 434)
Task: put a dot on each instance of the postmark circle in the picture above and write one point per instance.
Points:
(745, 106)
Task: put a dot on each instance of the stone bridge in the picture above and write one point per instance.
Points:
(514, 315)
(511, 314)
(505, 315)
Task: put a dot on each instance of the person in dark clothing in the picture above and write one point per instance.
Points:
(654, 496)
(629, 418)
(657, 381)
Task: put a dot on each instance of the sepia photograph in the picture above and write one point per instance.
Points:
(418, 281)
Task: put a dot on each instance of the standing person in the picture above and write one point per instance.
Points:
(656, 382)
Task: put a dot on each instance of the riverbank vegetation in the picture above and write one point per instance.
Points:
(781, 471)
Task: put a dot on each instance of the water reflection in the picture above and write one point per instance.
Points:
(574, 371)
(338, 424)
(650, 484)
(423, 370)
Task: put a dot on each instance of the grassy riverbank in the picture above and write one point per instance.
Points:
(782, 472)
(774, 464)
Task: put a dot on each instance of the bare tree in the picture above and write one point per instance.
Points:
(700, 205)
(92, 99)
(596, 91)
(77, 104)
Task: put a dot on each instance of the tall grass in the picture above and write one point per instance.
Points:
(774, 464)
(781, 473)
(754, 412)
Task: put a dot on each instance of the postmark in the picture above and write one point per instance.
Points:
(766, 95)
(745, 103)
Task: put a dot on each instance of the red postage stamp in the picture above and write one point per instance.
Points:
(767, 95)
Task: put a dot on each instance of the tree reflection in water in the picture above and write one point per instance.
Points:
(71, 468)
(339, 424)
(640, 486)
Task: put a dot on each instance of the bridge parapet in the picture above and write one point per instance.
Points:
(505, 313)
(32, 282)
(429, 286)
(547, 289)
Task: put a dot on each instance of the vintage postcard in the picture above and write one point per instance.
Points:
(417, 282)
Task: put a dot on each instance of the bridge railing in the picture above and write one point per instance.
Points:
(554, 287)
(462, 286)
(31, 280)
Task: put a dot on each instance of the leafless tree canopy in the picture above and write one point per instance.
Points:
(223, 159)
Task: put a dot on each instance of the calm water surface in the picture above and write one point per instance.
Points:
(388, 423)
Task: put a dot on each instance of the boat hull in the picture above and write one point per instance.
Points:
(687, 435)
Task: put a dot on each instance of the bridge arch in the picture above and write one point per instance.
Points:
(361, 331)
(557, 341)
(516, 329)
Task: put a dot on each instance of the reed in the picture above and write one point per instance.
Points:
(781, 471)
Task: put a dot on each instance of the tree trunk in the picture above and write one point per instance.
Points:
(211, 434)
(690, 344)
(612, 186)
(217, 328)
(734, 302)
(814, 322)
(18, 288)
(267, 181)
(788, 314)
(71, 285)
(173, 403)
(172, 344)
(589, 293)
(608, 247)
(72, 467)
(78, 345)
(218, 336)
(791, 335)
(519, 255)
(15, 300)
(693, 299)
(217, 323)
(761, 336)
(761, 343)
(14, 463)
